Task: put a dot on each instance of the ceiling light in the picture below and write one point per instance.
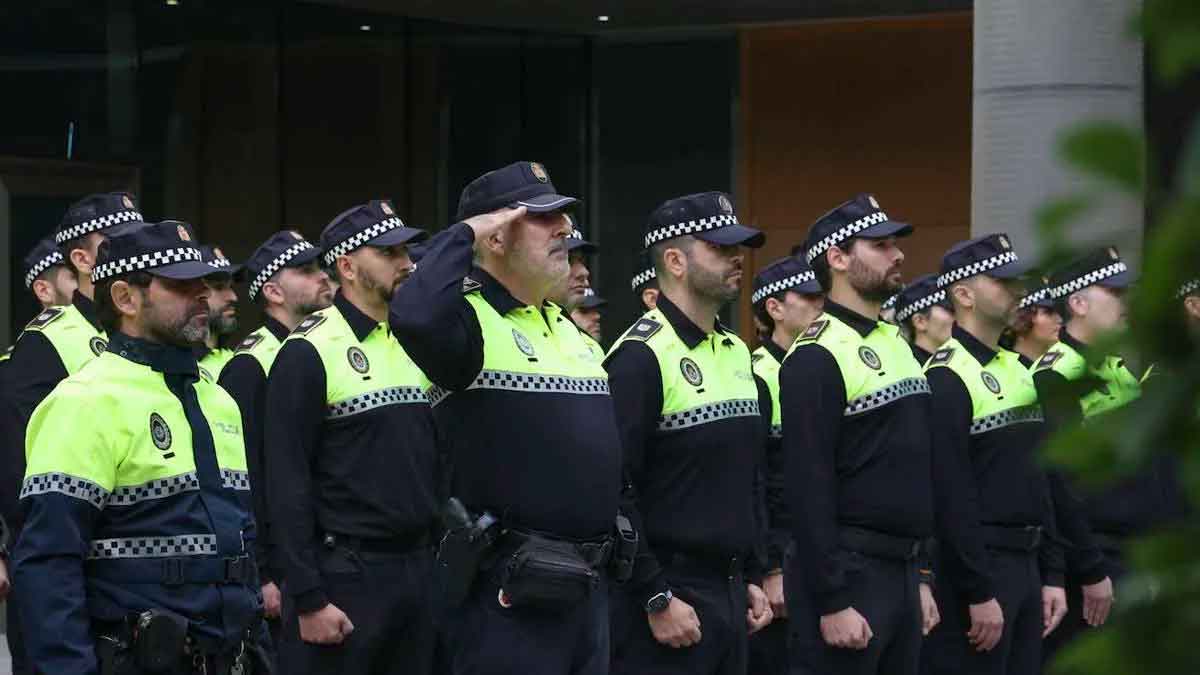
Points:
(172, 3)
(603, 18)
(364, 27)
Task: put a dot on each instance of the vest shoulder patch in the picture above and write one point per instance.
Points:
(48, 316)
(813, 331)
(1048, 360)
(469, 285)
(249, 343)
(942, 356)
(643, 329)
(306, 326)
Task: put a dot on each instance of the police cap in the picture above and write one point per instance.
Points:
(787, 274)
(518, 184)
(707, 216)
(992, 255)
(1102, 267)
(43, 256)
(859, 217)
(922, 294)
(163, 249)
(96, 213)
(372, 224)
(287, 248)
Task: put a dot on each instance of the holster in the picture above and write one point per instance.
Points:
(467, 542)
(159, 640)
(625, 554)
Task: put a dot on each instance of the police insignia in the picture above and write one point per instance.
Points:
(1112, 253)
(296, 235)
(249, 343)
(386, 208)
(724, 205)
(183, 233)
(48, 315)
(358, 360)
(160, 434)
(942, 355)
(644, 329)
(990, 382)
(874, 203)
(1004, 242)
(539, 172)
(1048, 360)
(523, 343)
(127, 201)
(869, 357)
(813, 331)
(98, 345)
(308, 324)
(691, 372)
(470, 284)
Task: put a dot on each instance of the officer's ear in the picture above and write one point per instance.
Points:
(774, 309)
(44, 291)
(650, 297)
(838, 257)
(675, 261)
(125, 298)
(1077, 304)
(345, 268)
(272, 292)
(962, 294)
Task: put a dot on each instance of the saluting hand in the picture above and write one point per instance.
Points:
(676, 626)
(488, 225)
(930, 617)
(1097, 602)
(758, 609)
(846, 629)
(1054, 608)
(326, 626)
(987, 625)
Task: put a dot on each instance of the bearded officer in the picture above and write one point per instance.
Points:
(222, 313)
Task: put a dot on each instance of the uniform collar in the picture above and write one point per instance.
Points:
(919, 353)
(1070, 341)
(277, 329)
(982, 353)
(87, 308)
(494, 292)
(774, 350)
(360, 323)
(166, 359)
(685, 328)
(861, 324)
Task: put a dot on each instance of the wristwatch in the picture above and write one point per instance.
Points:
(659, 602)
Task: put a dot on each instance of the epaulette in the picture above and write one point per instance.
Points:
(469, 284)
(941, 356)
(249, 343)
(48, 316)
(1048, 360)
(643, 329)
(308, 324)
(813, 331)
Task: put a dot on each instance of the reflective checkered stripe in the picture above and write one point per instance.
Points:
(153, 547)
(710, 412)
(66, 484)
(275, 265)
(920, 305)
(843, 233)
(1093, 277)
(782, 285)
(376, 399)
(42, 265)
(776, 431)
(97, 224)
(575, 234)
(527, 382)
(1006, 418)
(235, 479)
(144, 262)
(362, 238)
(219, 263)
(1033, 298)
(690, 227)
(155, 489)
(890, 302)
(643, 278)
(1188, 288)
(911, 386)
(975, 268)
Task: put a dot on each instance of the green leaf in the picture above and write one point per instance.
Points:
(1107, 150)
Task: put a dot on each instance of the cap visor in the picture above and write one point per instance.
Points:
(546, 203)
(593, 302)
(1121, 280)
(809, 288)
(304, 257)
(188, 269)
(581, 245)
(733, 235)
(397, 236)
(1012, 270)
(888, 228)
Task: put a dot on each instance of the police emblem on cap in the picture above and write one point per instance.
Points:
(539, 172)
(723, 203)
(990, 382)
(386, 208)
(183, 233)
(871, 198)
(295, 235)
(217, 252)
(358, 360)
(160, 433)
(523, 343)
(869, 357)
(1112, 253)
(98, 345)
(691, 372)
(1004, 242)
(127, 201)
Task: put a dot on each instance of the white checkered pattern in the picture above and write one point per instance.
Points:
(1188, 288)
(96, 224)
(275, 265)
(782, 285)
(890, 302)
(1033, 298)
(711, 412)
(220, 263)
(376, 399)
(527, 382)
(911, 386)
(690, 227)
(153, 547)
(128, 495)
(843, 233)
(361, 238)
(575, 234)
(42, 265)
(235, 480)
(975, 268)
(66, 484)
(144, 262)
(644, 277)
(1007, 418)
(920, 304)
(1095, 276)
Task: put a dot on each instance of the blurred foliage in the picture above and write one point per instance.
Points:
(1157, 615)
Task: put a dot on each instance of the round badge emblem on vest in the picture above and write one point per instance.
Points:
(990, 382)
(358, 360)
(98, 345)
(869, 357)
(160, 433)
(523, 343)
(691, 372)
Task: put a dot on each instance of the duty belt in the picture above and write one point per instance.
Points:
(174, 571)
(732, 567)
(878, 544)
(1024, 539)
(413, 541)
(595, 553)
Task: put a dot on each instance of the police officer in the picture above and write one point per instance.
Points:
(925, 316)
(352, 469)
(1035, 328)
(588, 313)
(134, 553)
(287, 284)
(47, 275)
(215, 352)
(524, 414)
(576, 290)
(855, 408)
(887, 311)
(645, 282)
(693, 425)
(786, 299)
(1001, 586)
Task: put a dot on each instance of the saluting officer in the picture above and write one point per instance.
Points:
(786, 299)
(287, 284)
(525, 417)
(215, 352)
(135, 548)
(693, 423)
(645, 282)
(856, 439)
(1001, 582)
(352, 468)
(925, 316)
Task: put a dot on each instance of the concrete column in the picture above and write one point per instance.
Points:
(1040, 68)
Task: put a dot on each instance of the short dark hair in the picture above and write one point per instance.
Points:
(657, 251)
(106, 311)
(820, 264)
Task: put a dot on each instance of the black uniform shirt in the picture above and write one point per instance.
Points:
(779, 518)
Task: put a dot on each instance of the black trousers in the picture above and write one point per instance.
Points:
(885, 592)
(484, 638)
(386, 596)
(1019, 592)
(16, 641)
(768, 649)
(719, 599)
(1073, 625)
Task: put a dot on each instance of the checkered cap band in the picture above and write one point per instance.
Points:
(975, 268)
(1188, 288)
(219, 263)
(275, 265)
(360, 239)
(843, 233)
(782, 285)
(55, 258)
(1094, 277)
(890, 302)
(1033, 298)
(153, 547)
(920, 304)
(711, 412)
(644, 277)
(96, 224)
(145, 261)
(666, 232)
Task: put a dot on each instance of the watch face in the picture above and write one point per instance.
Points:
(658, 603)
